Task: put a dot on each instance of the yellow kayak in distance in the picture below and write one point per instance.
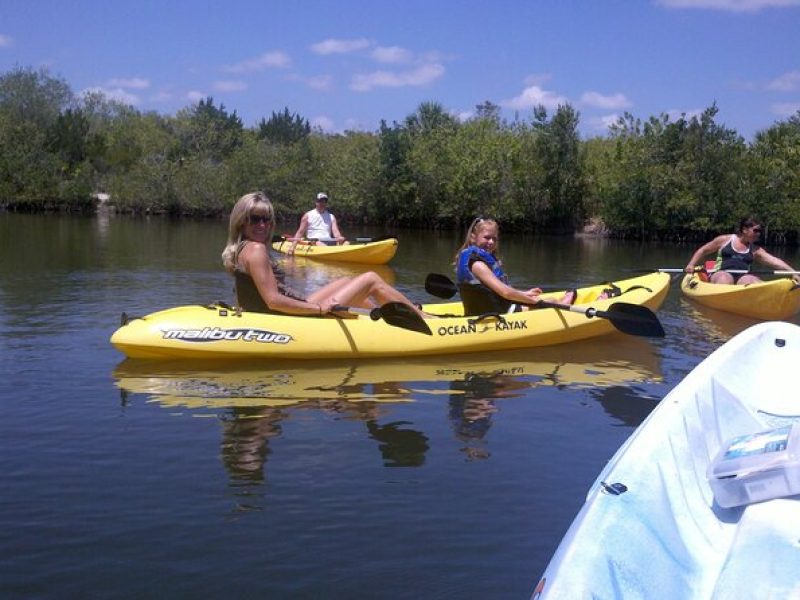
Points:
(774, 300)
(218, 332)
(377, 252)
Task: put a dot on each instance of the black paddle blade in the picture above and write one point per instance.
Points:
(633, 319)
(402, 315)
(440, 286)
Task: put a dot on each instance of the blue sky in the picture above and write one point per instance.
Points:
(348, 64)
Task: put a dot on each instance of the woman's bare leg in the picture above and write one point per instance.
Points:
(721, 277)
(365, 290)
(745, 279)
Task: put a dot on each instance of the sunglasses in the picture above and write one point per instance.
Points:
(259, 219)
(756, 229)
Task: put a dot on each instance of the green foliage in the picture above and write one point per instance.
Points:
(395, 177)
(674, 177)
(654, 177)
(284, 128)
(30, 105)
(207, 132)
(348, 168)
(774, 170)
(557, 149)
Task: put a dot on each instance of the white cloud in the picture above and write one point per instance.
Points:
(352, 124)
(788, 82)
(320, 83)
(675, 114)
(729, 5)
(268, 60)
(602, 123)
(464, 115)
(533, 96)
(161, 97)
(598, 100)
(332, 46)
(117, 94)
(195, 96)
(537, 79)
(391, 54)
(6, 41)
(322, 122)
(420, 76)
(787, 109)
(230, 86)
(136, 83)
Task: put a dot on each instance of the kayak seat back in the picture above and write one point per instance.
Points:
(479, 300)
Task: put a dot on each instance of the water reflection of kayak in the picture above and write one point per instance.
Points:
(716, 325)
(307, 274)
(194, 384)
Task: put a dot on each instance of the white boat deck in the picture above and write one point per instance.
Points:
(665, 537)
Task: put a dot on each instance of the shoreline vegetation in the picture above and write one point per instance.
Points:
(661, 178)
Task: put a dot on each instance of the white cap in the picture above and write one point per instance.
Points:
(322, 195)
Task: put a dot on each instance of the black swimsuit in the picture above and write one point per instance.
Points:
(729, 259)
(248, 297)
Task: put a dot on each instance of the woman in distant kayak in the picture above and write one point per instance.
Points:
(736, 252)
(482, 283)
(259, 284)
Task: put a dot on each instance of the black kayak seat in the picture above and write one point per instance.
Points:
(480, 300)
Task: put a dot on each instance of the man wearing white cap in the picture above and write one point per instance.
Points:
(318, 224)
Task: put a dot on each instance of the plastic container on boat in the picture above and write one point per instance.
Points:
(756, 467)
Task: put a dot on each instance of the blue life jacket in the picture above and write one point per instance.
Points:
(476, 297)
(469, 255)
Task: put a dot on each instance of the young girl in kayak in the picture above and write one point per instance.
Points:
(482, 283)
(737, 252)
(259, 284)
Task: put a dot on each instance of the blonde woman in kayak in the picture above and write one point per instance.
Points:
(736, 252)
(259, 284)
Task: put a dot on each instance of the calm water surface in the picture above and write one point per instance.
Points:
(447, 477)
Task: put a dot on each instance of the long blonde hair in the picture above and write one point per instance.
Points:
(473, 230)
(240, 213)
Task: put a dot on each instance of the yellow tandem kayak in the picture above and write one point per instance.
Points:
(216, 331)
(774, 300)
(378, 252)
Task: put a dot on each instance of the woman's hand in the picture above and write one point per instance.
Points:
(326, 306)
(533, 295)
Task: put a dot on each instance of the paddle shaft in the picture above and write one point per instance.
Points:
(735, 271)
(358, 240)
(374, 313)
(584, 310)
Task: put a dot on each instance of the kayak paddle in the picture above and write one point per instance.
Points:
(396, 314)
(736, 271)
(632, 319)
